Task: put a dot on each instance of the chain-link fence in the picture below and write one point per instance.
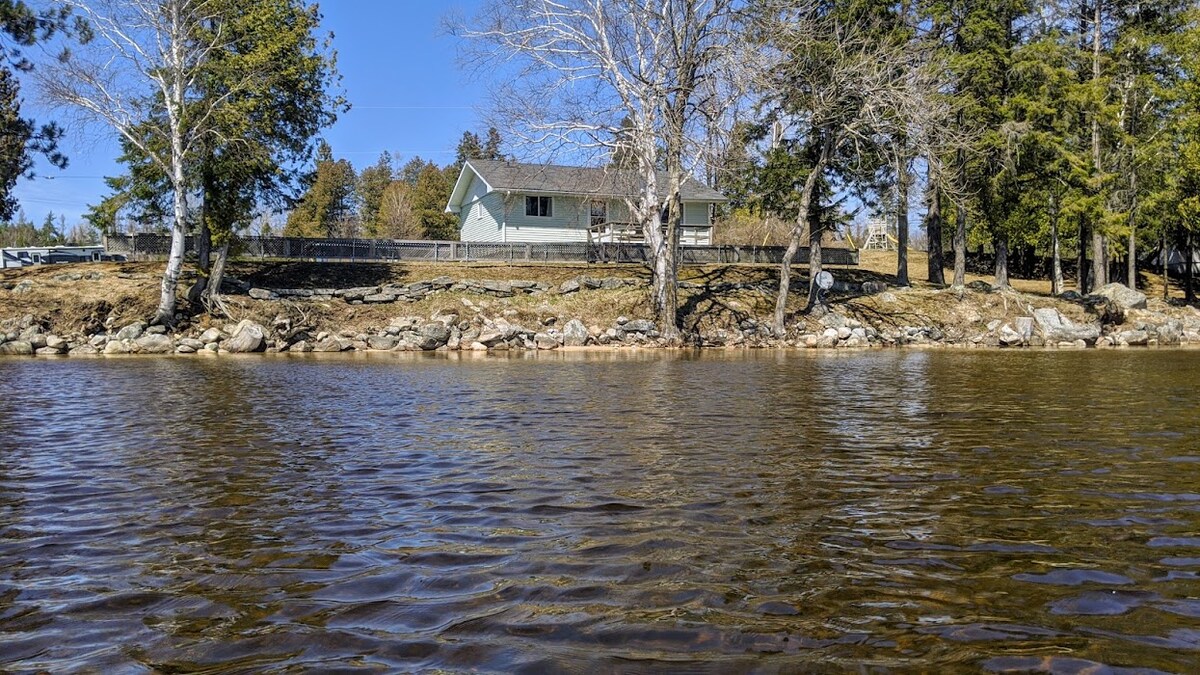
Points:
(158, 246)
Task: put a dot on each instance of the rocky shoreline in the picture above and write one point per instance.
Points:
(1115, 316)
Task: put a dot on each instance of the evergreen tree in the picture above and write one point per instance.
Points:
(327, 208)
(372, 183)
(22, 138)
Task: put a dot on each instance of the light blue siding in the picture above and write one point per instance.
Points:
(695, 213)
(568, 221)
(482, 214)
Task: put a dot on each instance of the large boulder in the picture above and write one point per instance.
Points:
(247, 337)
(1055, 327)
(1122, 296)
(575, 334)
(155, 344)
(432, 335)
(16, 348)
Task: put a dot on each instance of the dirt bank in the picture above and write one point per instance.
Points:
(335, 307)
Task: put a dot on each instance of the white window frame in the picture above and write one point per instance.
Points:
(537, 201)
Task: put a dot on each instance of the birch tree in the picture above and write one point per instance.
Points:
(138, 75)
(605, 78)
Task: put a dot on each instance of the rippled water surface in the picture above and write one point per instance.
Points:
(615, 513)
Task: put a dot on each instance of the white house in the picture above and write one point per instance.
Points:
(510, 202)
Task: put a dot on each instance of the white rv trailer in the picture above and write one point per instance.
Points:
(48, 255)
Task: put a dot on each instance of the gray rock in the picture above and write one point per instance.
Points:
(575, 334)
(349, 294)
(23, 287)
(545, 341)
(262, 294)
(379, 298)
(331, 344)
(611, 283)
(381, 342)
(873, 287)
(1170, 333)
(300, 347)
(98, 340)
(247, 337)
(133, 331)
(490, 338)
(1122, 296)
(119, 347)
(638, 326)
(1133, 338)
(154, 343)
(84, 350)
(185, 349)
(157, 330)
(196, 345)
(38, 340)
(1010, 337)
(1057, 328)
(55, 342)
(500, 288)
(212, 335)
(1025, 327)
(569, 286)
(436, 331)
(48, 351)
(16, 348)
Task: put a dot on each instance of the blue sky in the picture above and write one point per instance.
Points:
(399, 73)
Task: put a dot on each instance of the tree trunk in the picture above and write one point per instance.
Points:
(1001, 244)
(203, 241)
(170, 281)
(1166, 269)
(960, 248)
(1099, 261)
(902, 229)
(1099, 248)
(1081, 258)
(217, 275)
(816, 232)
(1056, 273)
(933, 230)
(1189, 251)
(814, 245)
(1131, 261)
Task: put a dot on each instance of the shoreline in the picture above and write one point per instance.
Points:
(313, 308)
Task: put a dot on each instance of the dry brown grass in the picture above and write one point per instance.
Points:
(726, 295)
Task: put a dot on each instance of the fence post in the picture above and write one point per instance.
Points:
(528, 252)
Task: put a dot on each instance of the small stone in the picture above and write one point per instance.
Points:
(262, 294)
(185, 349)
(569, 286)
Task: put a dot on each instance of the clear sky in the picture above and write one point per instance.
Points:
(399, 73)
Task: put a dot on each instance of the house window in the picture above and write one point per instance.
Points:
(541, 207)
(599, 213)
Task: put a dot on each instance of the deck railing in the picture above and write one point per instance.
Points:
(158, 246)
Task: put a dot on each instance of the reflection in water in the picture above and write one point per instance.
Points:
(916, 510)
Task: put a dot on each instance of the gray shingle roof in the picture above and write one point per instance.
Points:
(576, 180)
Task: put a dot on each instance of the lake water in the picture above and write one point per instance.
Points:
(627, 512)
